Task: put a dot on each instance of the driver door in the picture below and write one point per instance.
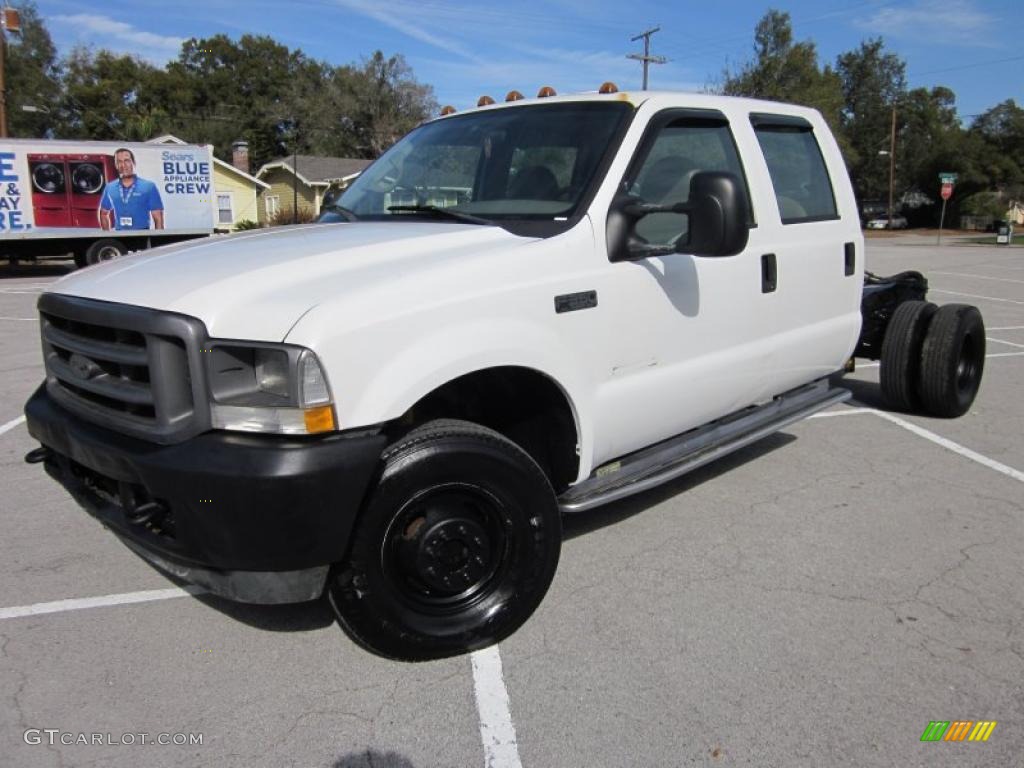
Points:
(692, 339)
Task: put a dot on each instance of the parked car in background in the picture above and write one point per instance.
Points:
(882, 222)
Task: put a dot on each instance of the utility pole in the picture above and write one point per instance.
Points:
(892, 163)
(10, 21)
(646, 57)
(3, 91)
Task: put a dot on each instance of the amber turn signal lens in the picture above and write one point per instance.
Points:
(484, 101)
(546, 91)
(513, 96)
(608, 87)
(447, 110)
(320, 419)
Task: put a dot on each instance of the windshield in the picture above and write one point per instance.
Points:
(530, 162)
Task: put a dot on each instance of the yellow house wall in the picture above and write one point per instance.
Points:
(244, 197)
(280, 182)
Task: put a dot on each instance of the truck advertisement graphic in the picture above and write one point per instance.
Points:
(70, 189)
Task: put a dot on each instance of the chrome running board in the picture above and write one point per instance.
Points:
(676, 456)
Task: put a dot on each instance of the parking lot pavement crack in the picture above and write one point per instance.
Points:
(816, 593)
(388, 699)
(16, 700)
(332, 713)
(964, 559)
(959, 657)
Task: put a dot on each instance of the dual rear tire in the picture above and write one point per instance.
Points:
(933, 358)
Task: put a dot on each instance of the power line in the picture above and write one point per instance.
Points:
(965, 66)
(646, 57)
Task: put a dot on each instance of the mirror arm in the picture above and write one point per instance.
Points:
(645, 250)
(638, 209)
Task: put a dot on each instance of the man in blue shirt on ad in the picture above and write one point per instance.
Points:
(129, 201)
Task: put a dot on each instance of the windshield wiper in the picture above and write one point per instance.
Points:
(347, 214)
(443, 212)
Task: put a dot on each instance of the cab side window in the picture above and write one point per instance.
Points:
(678, 151)
(803, 189)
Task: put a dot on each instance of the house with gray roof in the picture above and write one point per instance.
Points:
(305, 184)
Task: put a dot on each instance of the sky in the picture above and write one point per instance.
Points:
(465, 49)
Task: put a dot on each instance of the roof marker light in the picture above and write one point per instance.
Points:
(484, 101)
(608, 87)
(546, 91)
(448, 110)
(513, 96)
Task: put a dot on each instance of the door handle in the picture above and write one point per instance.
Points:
(849, 259)
(769, 273)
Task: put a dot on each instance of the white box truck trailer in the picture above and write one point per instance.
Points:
(97, 200)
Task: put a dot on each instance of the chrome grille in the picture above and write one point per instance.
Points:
(125, 367)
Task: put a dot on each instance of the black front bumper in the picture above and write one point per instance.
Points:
(255, 518)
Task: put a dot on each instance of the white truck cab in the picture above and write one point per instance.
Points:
(519, 312)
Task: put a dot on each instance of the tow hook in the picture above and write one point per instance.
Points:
(38, 455)
(150, 511)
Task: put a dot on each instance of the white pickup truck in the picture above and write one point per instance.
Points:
(523, 311)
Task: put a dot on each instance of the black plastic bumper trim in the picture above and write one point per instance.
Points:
(235, 502)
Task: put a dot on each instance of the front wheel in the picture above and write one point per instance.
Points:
(455, 549)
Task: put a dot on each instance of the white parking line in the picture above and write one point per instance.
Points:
(11, 424)
(496, 730)
(844, 412)
(949, 445)
(1007, 328)
(30, 319)
(978, 277)
(59, 606)
(975, 296)
(1010, 343)
(875, 364)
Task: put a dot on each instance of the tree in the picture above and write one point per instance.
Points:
(786, 71)
(996, 151)
(108, 96)
(873, 83)
(32, 77)
(376, 103)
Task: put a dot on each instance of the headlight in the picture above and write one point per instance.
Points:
(277, 388)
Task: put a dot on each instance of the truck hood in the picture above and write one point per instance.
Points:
(256, 285)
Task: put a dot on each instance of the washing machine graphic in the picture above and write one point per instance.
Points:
(49, 174)
(66, 189)
(88, 176)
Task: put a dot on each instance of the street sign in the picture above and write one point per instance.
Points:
(947, 178)
(947, 191)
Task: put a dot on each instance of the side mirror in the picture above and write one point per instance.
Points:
(718, 215)
(716, 220)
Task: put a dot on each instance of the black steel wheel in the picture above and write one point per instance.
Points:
(952, 360)
(455, 549)
(901, 354)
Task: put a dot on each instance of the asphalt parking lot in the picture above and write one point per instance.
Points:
(813, 600)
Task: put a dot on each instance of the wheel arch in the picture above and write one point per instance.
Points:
(526, 405)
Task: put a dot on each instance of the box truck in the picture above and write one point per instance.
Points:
(97, 200)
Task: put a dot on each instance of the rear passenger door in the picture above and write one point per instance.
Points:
(816, 252)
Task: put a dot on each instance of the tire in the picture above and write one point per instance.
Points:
(455, 549)
(952, 361)
(104, 250)
(904, 338)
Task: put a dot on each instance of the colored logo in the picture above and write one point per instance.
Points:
(958, 730)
